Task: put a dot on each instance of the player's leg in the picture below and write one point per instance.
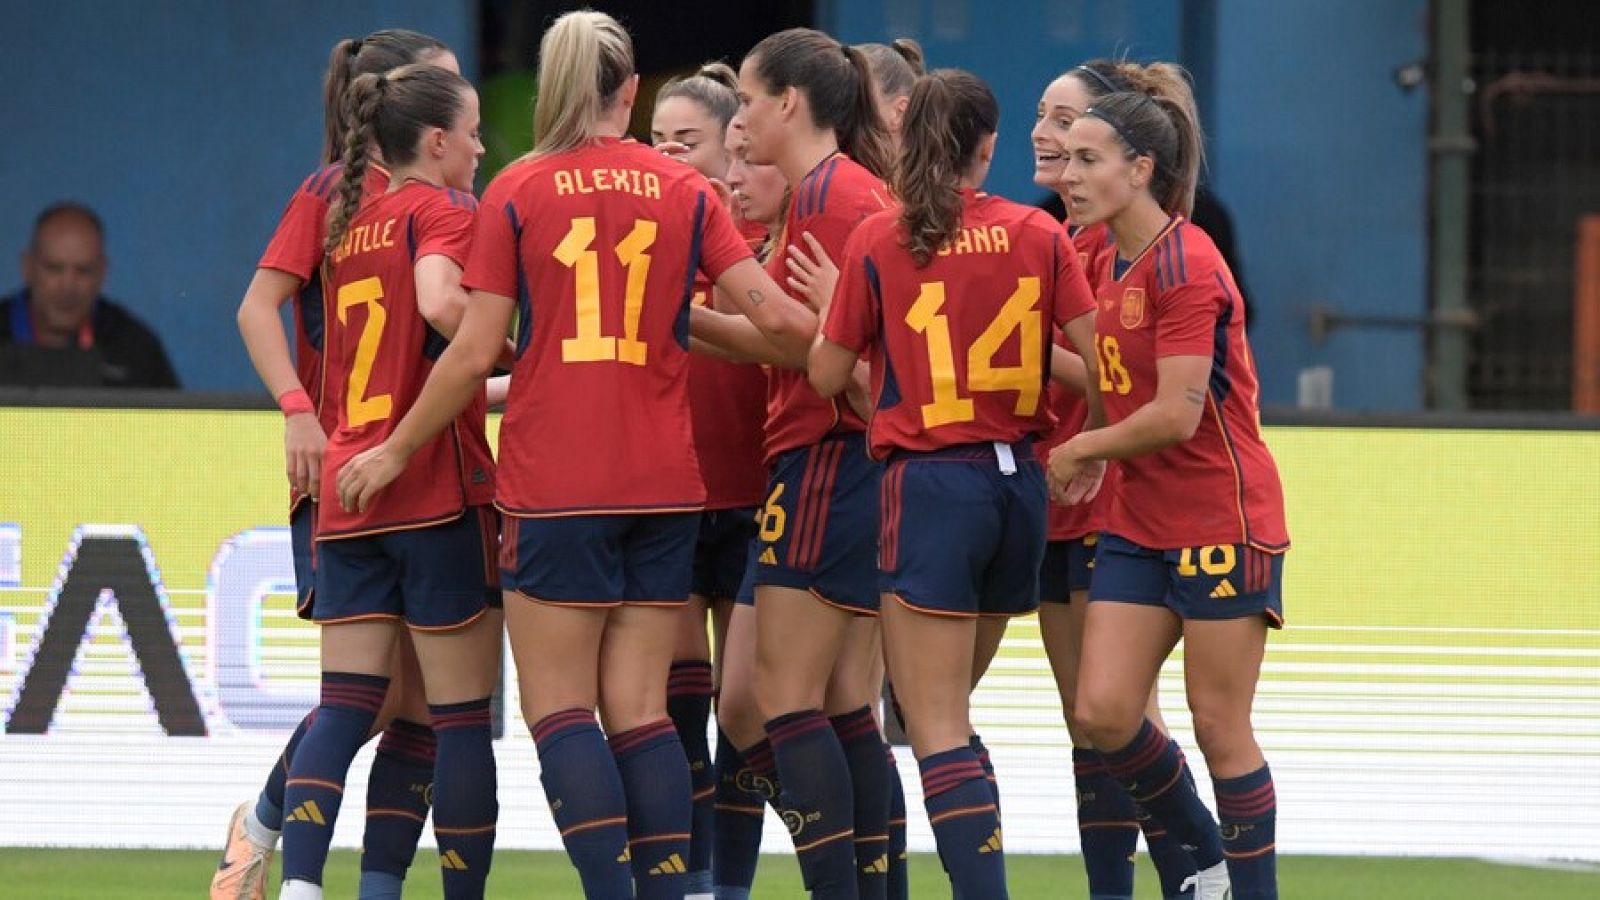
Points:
(746, 774)
(799, 639)
(635, 656)
(450, 580)
(555, 639)
(400, 784)
(851, 703)
(355, 675)
(635, 660)
(991, 631)
(1222, 664)
(254, 828)
(1128, 632)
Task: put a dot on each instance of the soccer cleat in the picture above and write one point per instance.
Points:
(243, 872)
(1210, 884)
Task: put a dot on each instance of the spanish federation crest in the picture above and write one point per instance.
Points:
(1132, 307)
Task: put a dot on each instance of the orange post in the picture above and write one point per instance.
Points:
(1586, 319)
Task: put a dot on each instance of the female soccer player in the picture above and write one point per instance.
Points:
(727, 406)
(1195, 535)
(598, 550)
(896, 66)
(1108, 820)
(397, 798)
(422, 555)
(954, 296)
(807, 108)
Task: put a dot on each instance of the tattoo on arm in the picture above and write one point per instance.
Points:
(1195, 395)
(756, 299)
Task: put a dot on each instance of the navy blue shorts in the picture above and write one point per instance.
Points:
(1068, 568)
(721, 551)
(302, 534)
(960, 536)
(819, 529)
(602, 560)
(433, 578)
(1223, 581)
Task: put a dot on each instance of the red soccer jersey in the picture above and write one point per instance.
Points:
(379, 353)
(1177, 298)
(599, 247)
(728, 406)
(1072, 411)
(960, 348)
(296, 248)
(830, 203)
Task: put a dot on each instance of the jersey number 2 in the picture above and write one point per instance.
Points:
(576, 252)
(359, 408)
(1026, 378)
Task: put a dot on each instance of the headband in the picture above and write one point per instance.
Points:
(1104, 81)
(1118, 126)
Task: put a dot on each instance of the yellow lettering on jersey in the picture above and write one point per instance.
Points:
(363, 239)
(624, 181)
(982, 239)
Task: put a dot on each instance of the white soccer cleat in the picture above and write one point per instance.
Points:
(1210, 884)
(243, 872)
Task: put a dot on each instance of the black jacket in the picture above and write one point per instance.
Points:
(124, 353)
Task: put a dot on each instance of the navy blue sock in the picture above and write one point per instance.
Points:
(820, 801)
(1108, 828)
(741, 807)
(982, 752)
(899, 886)
(399, 792)
(1173, 864)
(269, 805)
(655, 780)
(869, 779)
(1152, 770)
(1248, 808)
(315, 786)
(966, 823)
(586, 799)
(465, 807)
(689, 691)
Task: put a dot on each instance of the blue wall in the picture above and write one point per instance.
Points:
(1317, 154)
(1017, 46)
(1323, 162)
(187, 124)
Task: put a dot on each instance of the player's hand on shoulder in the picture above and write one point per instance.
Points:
(812, 273)
(303, 445)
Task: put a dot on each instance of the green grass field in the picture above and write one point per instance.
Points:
(159, 875)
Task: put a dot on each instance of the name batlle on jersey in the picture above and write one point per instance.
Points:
(365, 239)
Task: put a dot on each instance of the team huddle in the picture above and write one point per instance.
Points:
(792, 406)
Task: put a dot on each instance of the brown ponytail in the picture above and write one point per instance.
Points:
(715, 87)
(896, 66)
(379, 51)
(1153, 110)
(390, 111)
(950, 113)
(836, 81)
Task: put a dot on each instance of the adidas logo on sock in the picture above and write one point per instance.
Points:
(307, 812)
(992, 845)
(626, 856)
(879, 865)
(452, 860)
(672, 865)
(1223, 590)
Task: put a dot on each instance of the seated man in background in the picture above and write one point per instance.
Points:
(58, 331)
